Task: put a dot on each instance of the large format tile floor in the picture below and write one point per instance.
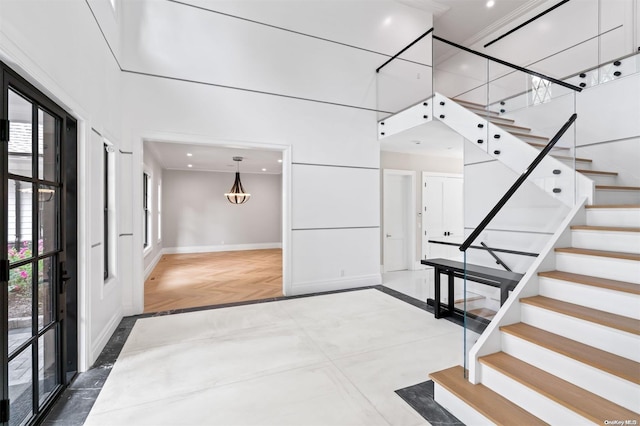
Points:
(333, 359)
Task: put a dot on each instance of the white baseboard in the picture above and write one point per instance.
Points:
(154, 262)
(103, 338)
(335, 284)
(224, 247)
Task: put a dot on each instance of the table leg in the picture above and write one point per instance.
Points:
(452, 295)
(436, 295)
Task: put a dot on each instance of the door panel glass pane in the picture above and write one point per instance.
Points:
(20, 133)
(47, 205)
(46, 275)
(47, 364)
(47, 146)
(19, 218)
(20, 387)
(20, 305)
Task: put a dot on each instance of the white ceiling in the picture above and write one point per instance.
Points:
(432, 138)
(173, 156)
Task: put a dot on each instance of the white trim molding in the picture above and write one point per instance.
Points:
(217, 248)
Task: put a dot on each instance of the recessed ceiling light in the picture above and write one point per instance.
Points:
(264, 170)
(491, 3)
(189, 165)
(189, 154)
(279, 161)
(417, 142)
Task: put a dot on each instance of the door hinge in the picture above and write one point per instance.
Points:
(4, 411)
(4, 130)
(4, 270)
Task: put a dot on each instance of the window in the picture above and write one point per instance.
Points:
(146, 202)
(159, 211)
(540, 90)
(105, 202)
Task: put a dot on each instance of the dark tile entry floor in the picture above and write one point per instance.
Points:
(420, 398)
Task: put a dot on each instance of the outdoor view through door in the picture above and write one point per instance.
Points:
(33, 264)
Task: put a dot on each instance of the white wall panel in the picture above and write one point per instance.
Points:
(125, 193)
(334, 197)
(96, 194)
(319, 133)
(616, 156)
(218, 49)
(383, 26)
(609, 111)
(329, 259)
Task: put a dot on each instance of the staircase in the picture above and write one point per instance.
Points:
(574, 356)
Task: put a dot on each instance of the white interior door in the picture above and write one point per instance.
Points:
(396, 227)
(442, 215)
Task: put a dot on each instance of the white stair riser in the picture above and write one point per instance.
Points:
(540, 406)
(602, 299)
(599, 382)
(458, 408)
(617, 197)
(613, 217)
(621, 343)
(626, 242)
(584, 165)
(601, 179)
(598, 266)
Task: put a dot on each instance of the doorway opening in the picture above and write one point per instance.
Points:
(201, 249)
(38, 227)
(398, 220)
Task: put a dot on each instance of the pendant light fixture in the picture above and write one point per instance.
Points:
(237, 195)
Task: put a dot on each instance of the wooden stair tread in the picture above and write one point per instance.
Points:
(481, 111)
(600, 253)
(498, 120)
(483, 312)
(621, 286)
(618, 187)
(597, 358)
(469, 299)
(542, 145)
(596, 172)
(607, 319)
(605, 228)
(526, 135)
(512, 126)
(613, 206)
(564, 157)
(584, 403)
(493, 406)
(460, 101)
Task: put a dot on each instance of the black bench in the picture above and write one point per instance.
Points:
(504, 280)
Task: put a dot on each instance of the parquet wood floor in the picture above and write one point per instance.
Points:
(191, 280)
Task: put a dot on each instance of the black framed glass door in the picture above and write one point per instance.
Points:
(34, 262)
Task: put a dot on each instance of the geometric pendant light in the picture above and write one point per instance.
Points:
(237, 195)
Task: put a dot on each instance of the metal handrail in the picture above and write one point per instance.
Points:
(495, 256)
(516, 185)
(405, 49)
(507, 64)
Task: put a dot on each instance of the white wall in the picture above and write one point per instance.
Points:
(58, 46)
(153, 252)
(198, 217)
(417, 163)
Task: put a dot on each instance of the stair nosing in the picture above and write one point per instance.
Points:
(618, 187)
(541, 145)
(525, 135)
(599, 253)
(613, 206)
(576, 350)
(564, 157)
(621, 286)
(594, 316)
(605, 228)
(548, 385)
(596, 172)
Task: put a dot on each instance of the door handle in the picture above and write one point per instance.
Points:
(388, 235)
